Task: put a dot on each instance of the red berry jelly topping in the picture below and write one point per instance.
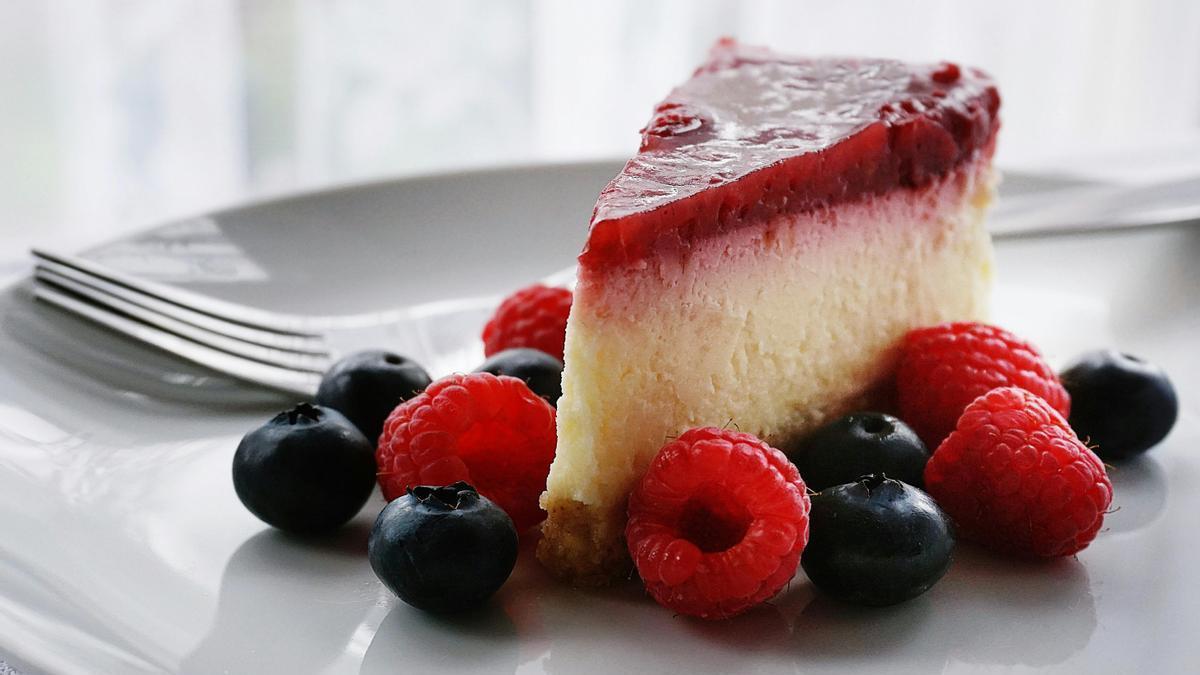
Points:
(754, 134)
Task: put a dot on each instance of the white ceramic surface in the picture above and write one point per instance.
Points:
(123, 548)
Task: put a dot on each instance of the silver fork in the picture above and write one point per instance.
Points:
(290, 353)
(281, 351)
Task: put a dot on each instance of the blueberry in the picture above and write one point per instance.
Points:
(367, 386)
(1120, 403)
(542, 372)
(876, 541)
(307, 470)
(857, 445)
(443, 549)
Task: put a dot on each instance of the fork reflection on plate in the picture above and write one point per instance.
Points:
(291, 352)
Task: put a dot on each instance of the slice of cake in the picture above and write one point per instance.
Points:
(784, 223)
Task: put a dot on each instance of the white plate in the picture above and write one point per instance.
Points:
(124, 549)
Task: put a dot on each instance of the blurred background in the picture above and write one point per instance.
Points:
(118, 113)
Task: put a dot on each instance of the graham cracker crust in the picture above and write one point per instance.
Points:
(584, 545)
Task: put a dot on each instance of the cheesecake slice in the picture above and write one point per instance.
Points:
(785, 221)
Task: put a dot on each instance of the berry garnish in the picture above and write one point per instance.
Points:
(307, 470)
(857, 445)
(717, 523)
(876, 541)
(368, 385)
(534, 317)
(1120, 404)
(490, 431)
(443, 549)
(944, 368)
(539, 370)
(1016, 478)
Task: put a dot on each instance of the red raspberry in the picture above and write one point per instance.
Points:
(1016, 478)
(534, 317)
(944, 368)
(717, 524)
(492, 432)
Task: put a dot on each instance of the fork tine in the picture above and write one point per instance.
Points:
(267, 355)
(283, 379)
(214, 307)
(565, 277)
(286, 341)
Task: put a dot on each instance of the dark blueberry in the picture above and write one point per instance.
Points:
(443, 549)
(1119, 403)
(857, 445)
(876, 541)
(307, 470)
(367, 386)
(542, 372)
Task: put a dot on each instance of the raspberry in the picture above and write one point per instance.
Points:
(717, 524)
(1016, 478)
(492, 432)
(534, 317)
(944, 368)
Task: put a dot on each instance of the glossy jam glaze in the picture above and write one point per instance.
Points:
(753, 134)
